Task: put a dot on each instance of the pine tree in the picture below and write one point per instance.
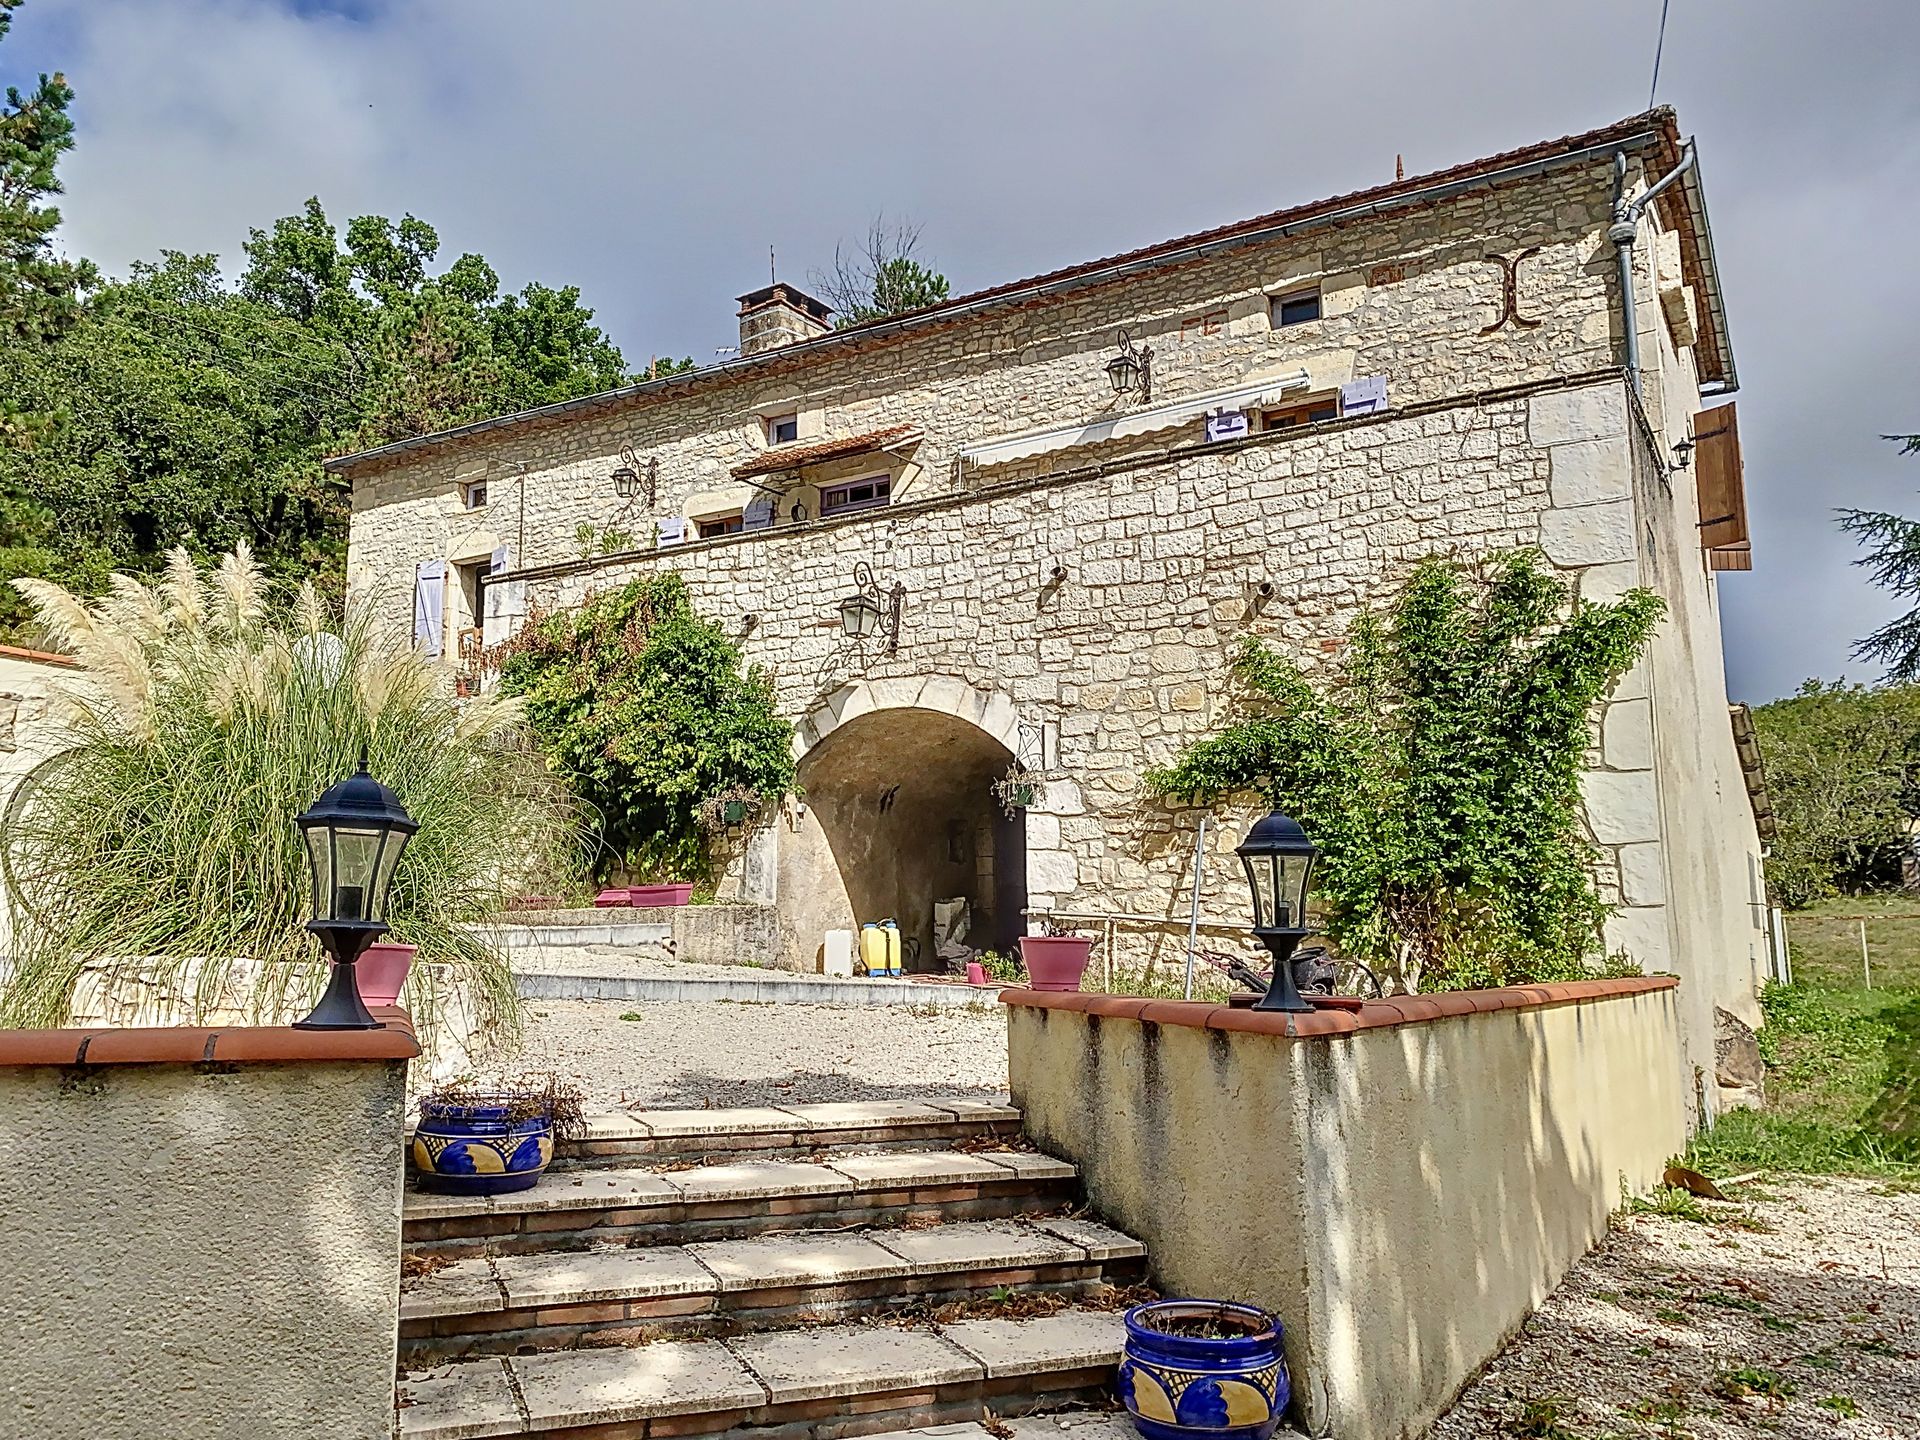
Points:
(40, 292)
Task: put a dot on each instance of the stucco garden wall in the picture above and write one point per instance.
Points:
(202, 1232)
(1401, 1187)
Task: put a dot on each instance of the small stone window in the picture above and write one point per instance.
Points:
(1307, 412)
(1294, 309)
(783, 429)
(856, 495)
(473, 494)
(714, 525)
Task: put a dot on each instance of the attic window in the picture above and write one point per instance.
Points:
(1307, 412)
(783, 429)
(855, 495)
(473, 494)
(1294, 309)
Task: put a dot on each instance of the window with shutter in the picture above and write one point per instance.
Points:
(1720, 482)
(429, 602)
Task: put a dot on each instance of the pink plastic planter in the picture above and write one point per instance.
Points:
(1055, 962)
(613, 899)
(381, 971)
(659, 894)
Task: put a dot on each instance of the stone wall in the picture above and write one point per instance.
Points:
(1402, 1187)
(1405, 295)
(203, 1232)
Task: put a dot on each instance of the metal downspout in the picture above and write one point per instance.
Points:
(1623, 232)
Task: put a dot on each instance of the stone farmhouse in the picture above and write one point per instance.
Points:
(1314, 399)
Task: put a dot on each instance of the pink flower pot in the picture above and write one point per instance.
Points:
(976, 973)
(1055, 962)
(381, 971)
(677, 894)
(611, 899)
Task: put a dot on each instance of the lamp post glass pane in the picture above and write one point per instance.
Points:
(1279, 885)
(1123, 374)
(859, 616)
(320, 859)
(356, 858)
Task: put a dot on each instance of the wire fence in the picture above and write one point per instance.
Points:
(1873, 945)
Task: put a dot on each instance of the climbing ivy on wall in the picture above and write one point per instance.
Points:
(1439, 770)
(643, 705)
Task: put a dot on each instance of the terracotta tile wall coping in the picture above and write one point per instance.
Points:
(40, 657)
(196, 1045)
(1400, 1010)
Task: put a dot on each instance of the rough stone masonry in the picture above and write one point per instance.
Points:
(1337, 391)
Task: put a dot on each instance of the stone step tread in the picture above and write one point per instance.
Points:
(517, 1282)
(470, 1399)
(633, 1187)
(799, 1120)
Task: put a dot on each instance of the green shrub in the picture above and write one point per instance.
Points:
(642, 705)
(1439, 770)
(159, 846)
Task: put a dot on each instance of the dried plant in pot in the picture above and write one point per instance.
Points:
(473, 1140)
(1211, 1368)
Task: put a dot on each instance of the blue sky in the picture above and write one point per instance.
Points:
(650, 152)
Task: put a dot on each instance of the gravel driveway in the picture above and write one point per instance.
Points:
(728, 1054)
(1795, 1313)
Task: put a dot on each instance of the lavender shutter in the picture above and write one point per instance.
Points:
(671, 531)
(1363, 397)
(758, 514)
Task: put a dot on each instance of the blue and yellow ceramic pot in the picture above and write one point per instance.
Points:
(477, 1148)
(1203, 1368)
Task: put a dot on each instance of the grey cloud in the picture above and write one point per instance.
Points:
(651, 153)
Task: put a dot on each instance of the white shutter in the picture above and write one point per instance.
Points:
(672, 530)
(429, 600)
(506, 600)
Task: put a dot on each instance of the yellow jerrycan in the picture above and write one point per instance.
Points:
(892, 932)
(873, 949)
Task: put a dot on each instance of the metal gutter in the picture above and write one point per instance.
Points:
(964, 309)
(1693, 193)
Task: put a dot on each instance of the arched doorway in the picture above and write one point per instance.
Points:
(900, 815)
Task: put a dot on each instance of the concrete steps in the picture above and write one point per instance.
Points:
(509, 1303)
(626, 1137)
(814, 1382)
(805, 1272)
(573, 1209)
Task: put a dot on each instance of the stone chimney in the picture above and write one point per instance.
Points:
(777, 315)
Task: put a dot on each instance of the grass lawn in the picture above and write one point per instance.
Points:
(1843, 1084)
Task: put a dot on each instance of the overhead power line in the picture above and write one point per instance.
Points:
(1659, 45)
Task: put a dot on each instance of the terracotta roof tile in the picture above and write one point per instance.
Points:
(792, 457)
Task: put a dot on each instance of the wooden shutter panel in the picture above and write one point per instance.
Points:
(1721, 482)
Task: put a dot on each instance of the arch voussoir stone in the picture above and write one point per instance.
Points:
(985, 709)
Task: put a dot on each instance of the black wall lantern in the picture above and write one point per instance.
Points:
(867, 609)
(1279, 860)
(629, 479)
(1131, 371)
(354, 835)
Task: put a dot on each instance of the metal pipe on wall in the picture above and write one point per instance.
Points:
(1623, 232)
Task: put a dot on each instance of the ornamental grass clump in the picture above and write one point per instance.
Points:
(155, 858)
(1438, 770)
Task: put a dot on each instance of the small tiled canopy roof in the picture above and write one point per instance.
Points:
(792, 457)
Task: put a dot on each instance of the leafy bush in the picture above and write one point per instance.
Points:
(159, 849)
(1439, 773)
(1843, 772)
(642, 705)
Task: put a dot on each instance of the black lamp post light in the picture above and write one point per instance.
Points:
(868, 609)
(1279, 858)
(354, 835)
(1131, 371)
